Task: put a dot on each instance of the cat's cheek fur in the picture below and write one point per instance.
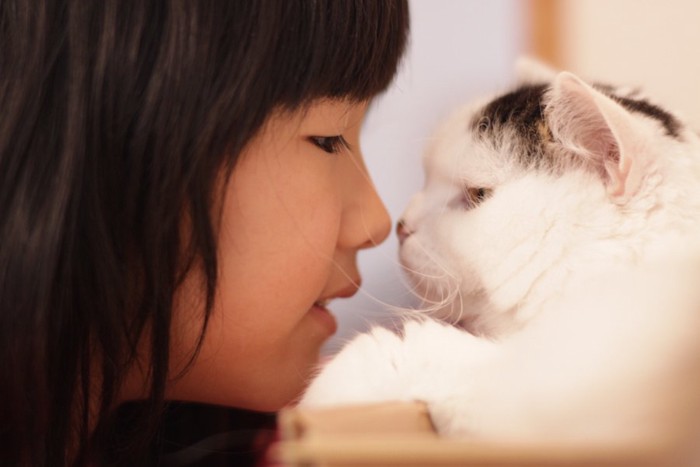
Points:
(520, 245)
(429, 263)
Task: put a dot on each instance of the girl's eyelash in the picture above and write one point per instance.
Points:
(330, 144)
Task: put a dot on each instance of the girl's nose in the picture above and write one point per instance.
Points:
(366, 223)
(378, 222)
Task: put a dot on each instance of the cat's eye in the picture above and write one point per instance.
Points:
(483, 124)
(330, 144)
(474, 196)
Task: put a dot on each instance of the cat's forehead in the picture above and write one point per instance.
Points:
(515, 122)
(458, 153)
(520, 109)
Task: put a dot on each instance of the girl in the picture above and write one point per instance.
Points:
(181, 193)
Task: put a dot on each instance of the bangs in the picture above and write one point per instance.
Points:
(349, 49)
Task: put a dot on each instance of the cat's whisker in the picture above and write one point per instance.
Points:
(420, 278)
(460, 312)
(435, 260)
(424, 296)
(424, 275)
(429, 307)
(388, 306)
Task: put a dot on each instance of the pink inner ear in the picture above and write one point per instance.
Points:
(581, 123)
(600, 127)
(621, 166)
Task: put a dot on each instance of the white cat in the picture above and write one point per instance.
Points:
(558, 233)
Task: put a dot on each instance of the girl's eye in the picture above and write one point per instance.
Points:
(330, 144)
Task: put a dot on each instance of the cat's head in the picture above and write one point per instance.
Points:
(537, 186)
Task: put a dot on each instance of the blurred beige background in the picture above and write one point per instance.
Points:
(653, 44)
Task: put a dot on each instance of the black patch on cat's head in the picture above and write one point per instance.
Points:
(642, 106)
(669, 122)
(521, 111)
(521, 108)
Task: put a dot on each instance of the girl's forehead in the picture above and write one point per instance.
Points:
(338, 113)
(342, 112)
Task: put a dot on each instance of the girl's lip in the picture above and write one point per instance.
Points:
(320, 307)
(346, 292)
(323, 316)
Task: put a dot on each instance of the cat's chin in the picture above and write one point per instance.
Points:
(471, 312)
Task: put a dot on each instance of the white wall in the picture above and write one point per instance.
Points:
(648, 43)
(459, 49)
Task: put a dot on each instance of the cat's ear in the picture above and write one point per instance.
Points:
(529, 70)
(597, 129)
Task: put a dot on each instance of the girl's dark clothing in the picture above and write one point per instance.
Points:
(198, 435)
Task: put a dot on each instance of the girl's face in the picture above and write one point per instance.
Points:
(297, 209)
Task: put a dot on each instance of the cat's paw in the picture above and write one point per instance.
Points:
(454, 417)
(366, 370)
(427, 361)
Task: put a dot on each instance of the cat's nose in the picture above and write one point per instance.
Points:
(402, 231)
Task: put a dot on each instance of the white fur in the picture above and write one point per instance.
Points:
(579, 285)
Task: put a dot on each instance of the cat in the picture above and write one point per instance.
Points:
(557, 244)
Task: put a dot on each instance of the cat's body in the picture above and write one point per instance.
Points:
(560, 226)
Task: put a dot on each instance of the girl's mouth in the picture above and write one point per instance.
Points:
(320, 311)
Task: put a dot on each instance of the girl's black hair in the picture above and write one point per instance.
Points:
(116, 118)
